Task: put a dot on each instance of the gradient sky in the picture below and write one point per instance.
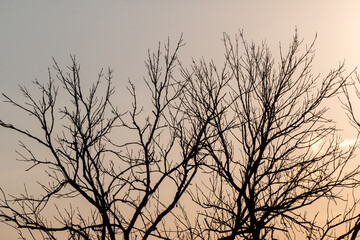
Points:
(117, 34)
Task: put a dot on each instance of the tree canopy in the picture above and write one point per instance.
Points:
(217, 152)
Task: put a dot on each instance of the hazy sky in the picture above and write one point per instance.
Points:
(117, 34)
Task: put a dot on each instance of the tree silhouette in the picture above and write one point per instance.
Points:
(121, 179)
(263, 169)
(213, 154)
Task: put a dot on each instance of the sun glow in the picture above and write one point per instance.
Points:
(347, 143)
(318, 145)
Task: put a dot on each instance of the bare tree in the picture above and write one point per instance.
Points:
(238, 152)
(263, 168)
(129, 168)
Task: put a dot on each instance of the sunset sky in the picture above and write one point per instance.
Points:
(118, 34)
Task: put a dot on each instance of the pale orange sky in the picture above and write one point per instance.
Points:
(118, 34)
